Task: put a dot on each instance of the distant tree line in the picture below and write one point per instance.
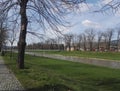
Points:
(44, 46)
(90, 40)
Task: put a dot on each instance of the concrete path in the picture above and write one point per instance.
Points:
(8, 81)
(93, 61)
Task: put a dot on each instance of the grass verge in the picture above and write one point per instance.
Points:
(45, 74)
(99, 55)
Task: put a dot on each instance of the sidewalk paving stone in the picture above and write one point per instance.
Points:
(8, 81)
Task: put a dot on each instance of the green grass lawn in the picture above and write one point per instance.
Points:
(100, 55)
(44, 74)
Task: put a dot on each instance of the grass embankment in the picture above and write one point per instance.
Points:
(44, 74)
(100, 55)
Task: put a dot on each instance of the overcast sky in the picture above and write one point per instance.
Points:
(85, 18)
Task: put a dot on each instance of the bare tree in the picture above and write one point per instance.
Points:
(3, 30)
(79, 38)
(53, 43)
(74, 41)
(118, 39)
(110, 33)
(90, 37)
(100, 35)
(3, 37)
(84, 41)
(68, 40)
(111, 5)
(60, 42)
(105, 38)
(40, 11)
(108, 38)
(12, 37)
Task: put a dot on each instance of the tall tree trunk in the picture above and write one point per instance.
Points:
(118, 42)
(79, 45)
(11, 50)
(0, 47)
(90, 46)
(1, 42)
(98, 44)
(84, 44)
(22, 38)
(69, 47)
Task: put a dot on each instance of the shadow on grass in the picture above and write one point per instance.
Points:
(57, 87)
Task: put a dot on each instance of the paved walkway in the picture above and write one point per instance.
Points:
(93, 61)
(8, 81)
